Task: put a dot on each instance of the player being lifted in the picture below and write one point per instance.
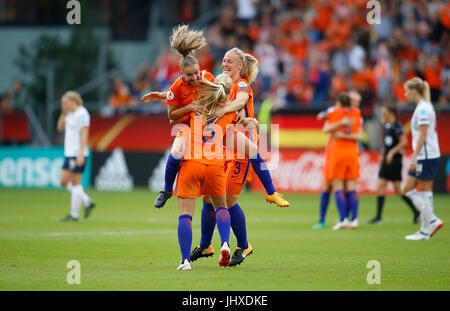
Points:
(74, 121)
(180, 98)
(425, 158)
(394, 141)
(344, 166)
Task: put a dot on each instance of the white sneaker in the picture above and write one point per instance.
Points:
(419, 235)
(435, 226)
(354, 224)
(185, 265)
(224, 258)
(341, 224)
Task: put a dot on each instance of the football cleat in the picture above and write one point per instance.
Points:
(341, 225)
(435, 226)
(184, 266)
(162, 198)
(319, 225)
(224, 259)
(375, 220)
(88, 209)
(198, 252)
(354, 224)
(277, 198)
(419, 235)
(69, 218)
(239, 255)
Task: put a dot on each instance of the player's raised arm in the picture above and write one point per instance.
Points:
(235, 105)
(154, 96)
(174, 113)
(329, 127)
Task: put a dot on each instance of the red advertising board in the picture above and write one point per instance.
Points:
(301, 171)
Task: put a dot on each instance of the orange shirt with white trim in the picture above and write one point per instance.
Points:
(181, 93)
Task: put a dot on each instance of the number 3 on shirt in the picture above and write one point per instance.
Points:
(237, 167)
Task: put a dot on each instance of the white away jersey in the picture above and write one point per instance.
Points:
(424, 114)
(74, 122)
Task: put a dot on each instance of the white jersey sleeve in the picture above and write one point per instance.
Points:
(424, 114)
(75, 121)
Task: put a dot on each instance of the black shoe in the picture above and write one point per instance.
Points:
(69, 218)
(416, 218)
(375, 220)
(88, 210)
(198, 252)
(239, 255)
(162, 198)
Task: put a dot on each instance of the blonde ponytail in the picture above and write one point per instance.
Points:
(186, 42)
(213, 94)
(250, 67)
(421, 86)
(426, 91)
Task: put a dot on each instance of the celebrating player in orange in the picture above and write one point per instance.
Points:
(344, 166)
(180, 99)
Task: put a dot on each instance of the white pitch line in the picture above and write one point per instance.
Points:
(108, 233)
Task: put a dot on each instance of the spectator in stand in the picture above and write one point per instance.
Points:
(356, 55)
(433, 77)
(319, 77)
(6, 104)
(267, 55)
(121, 97)
(17, 94)
(410, 41)
(384, 28)
(383, 72)
(246, 10)
(445, 82)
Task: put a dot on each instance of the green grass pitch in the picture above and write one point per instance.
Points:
(129, 245)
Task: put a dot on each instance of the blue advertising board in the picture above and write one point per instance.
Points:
(35, 167)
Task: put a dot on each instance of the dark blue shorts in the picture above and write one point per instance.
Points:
(425, 169)
(71, 165)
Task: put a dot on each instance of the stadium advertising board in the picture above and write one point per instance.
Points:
(30, 167)
(301, 171)
(122, 171)
(297, 171)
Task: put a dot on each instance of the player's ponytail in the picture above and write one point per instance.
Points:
(214, 94)
(250, 67)
(75, 96)
(421, 86)
(426, 91)
(186, 42)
